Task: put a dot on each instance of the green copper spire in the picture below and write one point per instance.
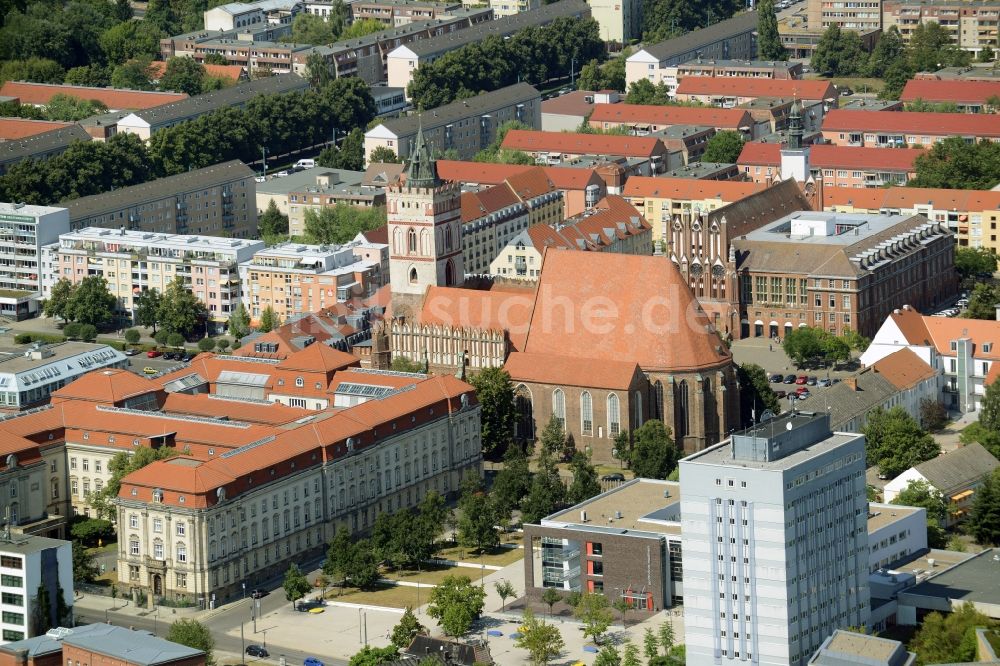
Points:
(795, 126)
(422, 170)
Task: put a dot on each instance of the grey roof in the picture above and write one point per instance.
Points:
(307, 178)
(463, 108)
(846, 648)
(134, 647)
(237, 95)
(958, 470)
(506, 25)
(700, 38)
(31, 544)
(845, 403)
(974, 579)
(160, 188)
(16, 150)
(453, 16)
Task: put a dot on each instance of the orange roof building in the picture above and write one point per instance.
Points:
(116, 99)
(21, 128)
(879, 129)
(972, 96)
(232, 73)
(653, 118)
(715, 89)
(570, 144)
(839, 166)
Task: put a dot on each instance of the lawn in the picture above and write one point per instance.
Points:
(392, 596)
(500, 557)
(431, 575)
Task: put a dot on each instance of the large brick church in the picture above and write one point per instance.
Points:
(602, 341)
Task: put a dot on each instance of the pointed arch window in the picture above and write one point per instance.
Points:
(614, 415)
(559, 406)
(586, 413)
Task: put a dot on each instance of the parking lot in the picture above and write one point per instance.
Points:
(139, 362)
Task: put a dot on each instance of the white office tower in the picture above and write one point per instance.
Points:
(775, 540)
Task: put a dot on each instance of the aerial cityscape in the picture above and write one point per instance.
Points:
(499, 332)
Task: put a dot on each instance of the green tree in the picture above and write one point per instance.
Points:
(130, 40)
(933, 415)
(39, 70)
(839, 53)
(888, 50)
(585, 484)
(335, 566)
(512, 483)
(644, 91)
(175, 340)
(239, 322)
(222, 344)
(132, 336)
(984, 520)
(594, 611)
(350, 154)
(312, 29)
(650, 644)
(272, 223)
(338, 224)
(667, 636)
(608, 656)
(941, 638)
(121, 465)
(983, 301)
(495, 394)
(553, 439)
(183, 74)
(931, 47)
(88, 332)
(547, 492)
(91, 302)
(383, 155)
(955, 164)
(180, 310)
(724, 146)
(205, 344)
(543, 641)
(922, 494)
(68, 108)
(550, 597)
(84, 567)
(361, 28)
(895, 441)
(630, 655)
(58, 303)
(269, 320)
(769, 45)
(494, 153)
(894, 79)
(135, 74)
(456, 603)
(295, 584)
(407, 627)
(72, 331)
(161, 338)
(756, 393)
(970, 262)
(804, 344)
(147, 309)
(193, 634)
(654, 454)
(373, 656)
(475, 525)
(505, 589)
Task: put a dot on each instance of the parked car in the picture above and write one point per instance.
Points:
(187, 357)
(776, 378)
(131, 352)
(258, 594)
(811, 381)
(306, 164)
(613, 477)
(802, 392)
(312, 661)
(260, 179)
(824, 382)
(149, 371)
(789, 379)
(281, 174)
(801, 380)
(257, 651)
(779, 394)
(152, 353)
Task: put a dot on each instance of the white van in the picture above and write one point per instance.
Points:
(305, 164)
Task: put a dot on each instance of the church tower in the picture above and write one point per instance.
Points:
(795, 157)
(425, 232)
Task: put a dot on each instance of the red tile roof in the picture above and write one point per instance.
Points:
(108, 386)
(912, 122)
(828, 156)
(670, 115)
(230, 72)
(904, 369)
(611, 219)
(582, 144)
(862, 198)
(530, 183)
(496, 309)
(738, 86)
(765, 154)
(114, 98)
(940, 331)
(689, 188)
(480, 204)
(569, 371)
(960, 92)
(318, 357)
(907, 197)
(486, 173)
(20, 128)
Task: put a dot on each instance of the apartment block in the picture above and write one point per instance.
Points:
(466, 126)
(672, 75)
(861, 16)
(839, 166)
(969, 96)
(776, 550)
(503, 8)
(800, 36)
(215, 200)
(328, 189)
(619, 21)
(134, 261)
(732, 39)
(294, 279)
(554, 147)
(28, 564)
(643, 119)
(905, 128)
(35, 140)
(24, 230)
(394, 13)
(972, 25)
(730, 91)
(239, 15)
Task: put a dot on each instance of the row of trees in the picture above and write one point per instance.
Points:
(279, 123)
(87, 303)
(320, 30)
(955, 164)
(340, 223)
(534, 55)
(808, 345)
(665, 19)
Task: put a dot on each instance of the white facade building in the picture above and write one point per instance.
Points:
(775, 542)
(238, 15)
(28, 563)
(23, 231)
(895, 533)
(28, 379)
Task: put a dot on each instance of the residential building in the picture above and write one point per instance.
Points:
(972, 26)
(704, 171)
(962, 349)
(861, 17)
(672, 75)
(344, 183)
(617, 22)
(800, 36)
(328, 190)
(839, 272)
(969, 96)
(956, 475)
(116, 99)
(294, 278)
(972, 215)
(839, 166)
(28, 564)
(404, 60)
(581, 188)
(388, 100)
(884, 129)
(914, 380)
(24, 230)
(239, 15)
(29, 140)
(731, 91)
(687, 142)
(503, 8)
(343, 326)
(100, 643)
(896, 534)
(491, 217)
(643, 119)
(549, 147)
(214, 200)
(394, 13)
(465, 126)
(133, 262)
(847, 647)
(971, 72)
(732, 39)
(28, 378)
(228, 73)
(613, 225)
(147, 122)
(566, 113)
(762, 581)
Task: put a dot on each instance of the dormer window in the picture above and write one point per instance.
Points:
(987, 347)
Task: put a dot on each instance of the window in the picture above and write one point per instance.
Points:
(86, 465)
(181, 529)
(182, 553)
(158, 549)
(9, 562)
(13, 618)
(182, 580)
(11, 581)
(133, 547)
(587, 413)
(614, 416)
(559, 406)
(158, 525)
(133, 521)
(299, 382)
(13, 599)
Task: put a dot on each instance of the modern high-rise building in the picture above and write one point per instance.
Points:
(775, 539)
(24, 230)
(29, 564)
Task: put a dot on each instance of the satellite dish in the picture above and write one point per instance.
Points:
(788, 426)
(766, 416)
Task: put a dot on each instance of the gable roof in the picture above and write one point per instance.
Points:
(742, 86)
(582, 144)
(696, 39)
(689, 188)
(904, 369)
(670, 115)
(958, 91)
(116, 99)
(230, 72)
(20, 128)
(108, 386)
(499, 309)
(846, 403)
(485, 173)
(939, 332)
(318, 357)
(673, 332)
(955, 471)
(569, 371)
(755, 152)
(530, 183)
(930, 124)
(491, 200)
(822, 155)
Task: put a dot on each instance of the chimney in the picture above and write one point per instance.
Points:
(852, 382)
(997, 307)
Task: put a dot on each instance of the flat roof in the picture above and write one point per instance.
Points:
(722, 453)
(28, 210)
(641, 503)
(881, 515)
(186, 242)
(698, 170)
(976, 579)
(856, 227)
(860, 645)
(300, 180)
(24, 545)
(921, 566)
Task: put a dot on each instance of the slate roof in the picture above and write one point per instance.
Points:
(54, 140)
(699, 38)
(955, 471)
(845, 403)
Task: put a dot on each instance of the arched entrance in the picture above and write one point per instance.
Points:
(744, 328)
(524, 429)
(157, 585)
(773, 326)
(758, 329)
(449, 273)
(788, 328)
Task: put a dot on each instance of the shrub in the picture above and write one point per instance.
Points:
(222, 344)
(206, 344)
(72, 330)
(88, 332)
(161, 337)
(22, 339)
(132, 336)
